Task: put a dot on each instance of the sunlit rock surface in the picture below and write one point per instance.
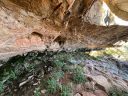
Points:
(119, 8)
(28, 25)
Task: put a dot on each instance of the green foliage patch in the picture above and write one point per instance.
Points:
(37, 92)
(33, 62)
(78, 75)
(65, 90)
(52, 86)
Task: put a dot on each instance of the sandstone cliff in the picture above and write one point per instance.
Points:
(59, 24)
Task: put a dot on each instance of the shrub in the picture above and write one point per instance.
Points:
(1, 87)
(52, 86)
(65, 90)
(66, 68)
(57, 75)
(37, 92)
(58, 64)
(78, 75)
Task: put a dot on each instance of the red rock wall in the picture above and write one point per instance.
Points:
(52, 24)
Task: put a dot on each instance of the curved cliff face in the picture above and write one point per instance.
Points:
(54, 25)
(119, 8)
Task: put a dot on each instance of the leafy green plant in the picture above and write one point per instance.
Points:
(52, 86)
(13, 75)
(1, 87)
(19, 69)
(78, 75)
(58, 64)
(8, 75)
(66, 68)
(37, 92)
(65, 90)
(57, 75)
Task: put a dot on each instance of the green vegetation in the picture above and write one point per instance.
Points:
(62, 64)
(67, 68)
(58, 64)
(1, 87)
(78, 75)
(18, 67)
(54, 66)
(57, 75)
(37, 92)
(52, 86)
(6, 78)
(59, 70)
(65, 90)
(55, 70)
(12, 71)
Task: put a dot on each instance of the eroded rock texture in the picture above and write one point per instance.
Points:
(119, 8)
(55, 25)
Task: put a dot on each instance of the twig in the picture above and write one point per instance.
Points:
(24, 82)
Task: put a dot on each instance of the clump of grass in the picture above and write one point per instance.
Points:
(1, 87)
(57, 75)
(66, 68)
(78, 75)
(65, 90)
(37, 92)
(58, 64)
(7, 76)
(52, 86)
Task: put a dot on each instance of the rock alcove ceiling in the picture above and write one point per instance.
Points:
(28, 25)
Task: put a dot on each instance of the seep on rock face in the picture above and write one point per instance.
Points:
(28, 25)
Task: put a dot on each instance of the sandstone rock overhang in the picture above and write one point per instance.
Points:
(118, 7)
(27, 25)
